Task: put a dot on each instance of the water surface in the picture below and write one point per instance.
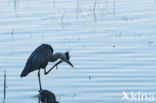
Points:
(112, 47)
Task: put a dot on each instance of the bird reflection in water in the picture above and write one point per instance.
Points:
(46, 96)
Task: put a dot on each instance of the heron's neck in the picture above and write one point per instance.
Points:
(57, 56)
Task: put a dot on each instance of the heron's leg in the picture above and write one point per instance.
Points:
(39, 80)
(46, 72)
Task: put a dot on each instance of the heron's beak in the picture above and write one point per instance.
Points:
(68, 62)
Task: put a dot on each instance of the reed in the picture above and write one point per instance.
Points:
(94, 10)
(54, 3)
(62, 20)
(15, 5)
(4, 90)
(107, 6)
(114, 6)
(77, 9)
(12, 34)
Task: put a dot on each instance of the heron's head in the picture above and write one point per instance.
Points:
(66, 58)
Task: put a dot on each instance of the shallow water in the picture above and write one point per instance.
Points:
(112, 48)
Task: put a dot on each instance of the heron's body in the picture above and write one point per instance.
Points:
(38, 59)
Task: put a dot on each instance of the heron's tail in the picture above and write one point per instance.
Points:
(24, 73)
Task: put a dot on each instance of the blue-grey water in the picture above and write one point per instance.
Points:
(112, 45)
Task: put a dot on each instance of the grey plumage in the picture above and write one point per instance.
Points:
(38, 59)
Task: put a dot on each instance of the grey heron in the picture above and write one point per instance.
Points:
(40, 58)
